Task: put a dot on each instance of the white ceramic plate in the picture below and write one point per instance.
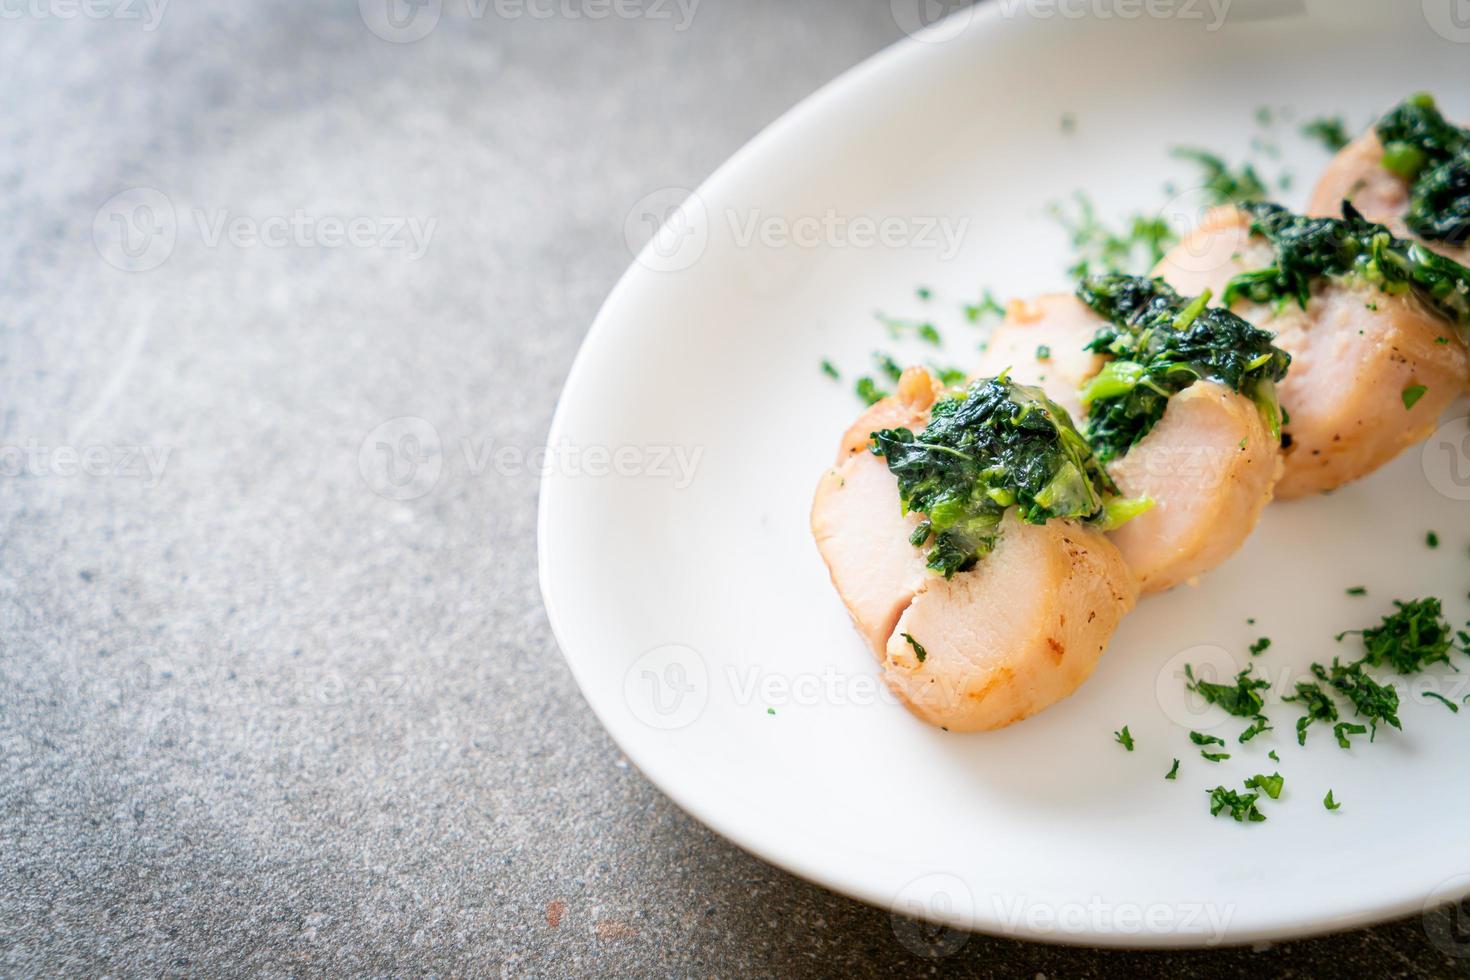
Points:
(698, 618)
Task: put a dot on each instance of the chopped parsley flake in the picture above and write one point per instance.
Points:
(1273, 756)
(919, 650)
(1330, 803)
(1223, 185)
(1370, 699)
(1329, 131)
(988, 306)
(1214, 756)
(1124, 738)
(924, 293)
(1174, 772)
(1260, 646)
(1317, 705)
(1410, 639)
(1241, 699)
(1270, 785)
(1412, 394)
(888, 365)
(1343, 730)
(1043, 353)
(1455, 708)
(868, 390)
(1357, 590)
(1098, 248)
(1240, 806)
(1199, 738)
(830, 370)
(1260, 725)
(1432, 539)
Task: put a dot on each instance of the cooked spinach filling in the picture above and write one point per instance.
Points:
(991, 447)
(1433, 155)
(1308, 249)
(1158, 343)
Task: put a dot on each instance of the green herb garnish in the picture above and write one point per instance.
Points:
(1270, 785)
(1330, 803)
(1273, 756)
(830, 370)
(1330, 131)
(1174, 772)
(1214, 756)
(1259, 726)
(1410, 639)
(1260, 646)
(888, 365)
(1241, 699)
(1308, 249)
(1357, 590)
(1412, 394)
(1124, 739)
(919, 650)
(993, 446)
(1159, 343)
(1431, 539)
(988, 305)
(868, 390)
(1433, 155)
(1343, 730)
(1199, 738)
(1223, 185)
(1317, 705)
(1240, 806)
(1372, 700)
(1099, 249)
(1454, 708)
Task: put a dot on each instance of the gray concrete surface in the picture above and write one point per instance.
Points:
(256, 717)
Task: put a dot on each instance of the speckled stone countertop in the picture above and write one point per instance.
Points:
(257, 713)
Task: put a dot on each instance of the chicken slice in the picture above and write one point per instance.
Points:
(1357, 174)
(1208, 494)
(1355, 352)
(1058, 326)
(1018, 633)
(1013, 635)
(1209, 465)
